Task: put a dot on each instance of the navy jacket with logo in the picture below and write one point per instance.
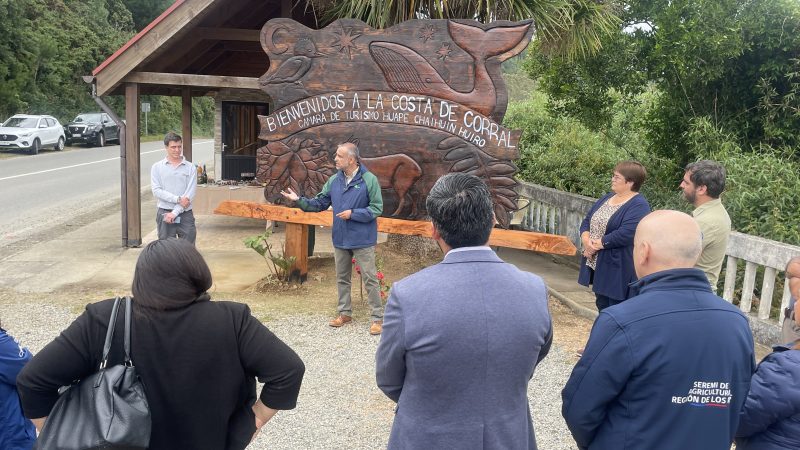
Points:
(362, 196)
(667, 369)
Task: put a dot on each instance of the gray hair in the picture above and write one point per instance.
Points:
(352, 149)
(460, 207)
(708, 173)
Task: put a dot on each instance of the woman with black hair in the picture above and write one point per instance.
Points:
(197, 359)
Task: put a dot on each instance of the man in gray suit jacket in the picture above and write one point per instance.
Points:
(461, 339)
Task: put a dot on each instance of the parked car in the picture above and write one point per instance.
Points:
(92, 128)
(31, 133)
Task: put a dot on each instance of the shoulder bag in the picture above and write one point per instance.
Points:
(107, 409)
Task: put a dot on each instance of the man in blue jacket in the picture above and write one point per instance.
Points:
(355, 194)
(670, 367)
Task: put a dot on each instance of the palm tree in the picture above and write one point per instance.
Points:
(571, 28)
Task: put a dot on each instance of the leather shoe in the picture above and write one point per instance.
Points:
(341, 320)
(376, 328)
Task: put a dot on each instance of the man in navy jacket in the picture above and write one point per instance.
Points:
(670, 367)
(355, 195)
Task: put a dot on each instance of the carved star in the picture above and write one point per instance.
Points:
(344, 40)
(444, 51)
(427, 33)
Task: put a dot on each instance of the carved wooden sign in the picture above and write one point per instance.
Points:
(421, 99)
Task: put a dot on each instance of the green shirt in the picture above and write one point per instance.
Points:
(715, 224)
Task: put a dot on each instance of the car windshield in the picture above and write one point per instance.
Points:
(21, 122)
(87, 118)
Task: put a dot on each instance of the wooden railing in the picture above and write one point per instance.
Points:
(552, 211)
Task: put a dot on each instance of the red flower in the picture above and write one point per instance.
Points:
(354, 261)
(383, 295)
(380, 275)
(358, 270)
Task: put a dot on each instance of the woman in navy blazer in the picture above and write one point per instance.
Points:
(607, 236)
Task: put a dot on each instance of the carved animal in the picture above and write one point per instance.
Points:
(398, 172)
(295, 67)
(407, 71)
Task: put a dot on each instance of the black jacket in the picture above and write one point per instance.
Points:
(198, 365)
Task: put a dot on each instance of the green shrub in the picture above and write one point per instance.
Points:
(564, 154)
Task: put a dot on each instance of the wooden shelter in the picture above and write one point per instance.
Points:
(195, 48)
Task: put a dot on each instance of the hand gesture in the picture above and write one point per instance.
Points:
(184, 201)
(596, 244)
(345, 214)
(289, 194)
(170, 217)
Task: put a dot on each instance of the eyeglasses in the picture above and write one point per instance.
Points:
(617, 177)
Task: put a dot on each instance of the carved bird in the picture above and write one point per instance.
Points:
(407, 71)
(295, 67)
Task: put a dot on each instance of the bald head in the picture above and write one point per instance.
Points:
(666, 240)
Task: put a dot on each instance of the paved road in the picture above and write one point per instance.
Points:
(42, 191)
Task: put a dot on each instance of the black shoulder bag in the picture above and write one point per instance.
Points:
(107, 409)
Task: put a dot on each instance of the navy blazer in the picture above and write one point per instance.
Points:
(460, 343)
(614, 270)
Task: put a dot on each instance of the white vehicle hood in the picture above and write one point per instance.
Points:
(16, 131)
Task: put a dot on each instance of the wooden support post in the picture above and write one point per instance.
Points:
(297, 246)
(133, 204)
(186, 120)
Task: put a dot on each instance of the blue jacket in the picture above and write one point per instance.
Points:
(667, 369)
(16, 432)
(770, 419)
(614, 270)
(460, 343)
(362, 196)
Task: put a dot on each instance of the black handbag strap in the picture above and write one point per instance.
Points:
(128, 361)
(112, 323)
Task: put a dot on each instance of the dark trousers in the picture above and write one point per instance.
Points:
(184, 230)
(602, 302)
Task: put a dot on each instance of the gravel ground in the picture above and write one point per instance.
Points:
(339, 406)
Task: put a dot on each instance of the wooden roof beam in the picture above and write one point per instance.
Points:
(227, 34)
(207, 81)
(182, 13)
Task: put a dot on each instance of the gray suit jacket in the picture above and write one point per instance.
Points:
(460, 342)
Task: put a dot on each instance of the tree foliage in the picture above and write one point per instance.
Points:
(47, 45)
(144, 11)
(568, 27)
(733, 62)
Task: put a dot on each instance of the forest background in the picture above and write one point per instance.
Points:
(668, 83)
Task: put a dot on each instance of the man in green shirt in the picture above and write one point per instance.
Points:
(702, 184)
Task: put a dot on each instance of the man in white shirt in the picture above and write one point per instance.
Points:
(174, 183)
